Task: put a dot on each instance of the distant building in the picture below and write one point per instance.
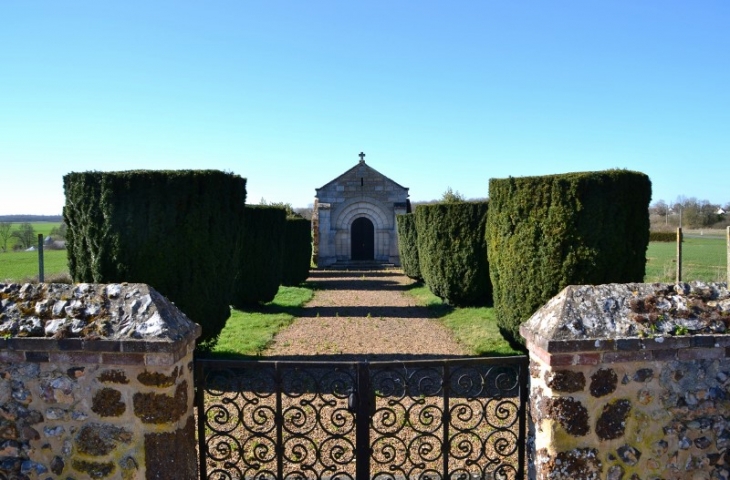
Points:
(354, 217)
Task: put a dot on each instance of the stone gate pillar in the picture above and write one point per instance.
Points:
(96, 381)
(631, 382)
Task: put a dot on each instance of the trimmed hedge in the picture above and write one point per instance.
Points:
(662, 236)
(261, 255)
(452, 252)
(297, 251)
(408, 245)
(178, 231)
(545, 233)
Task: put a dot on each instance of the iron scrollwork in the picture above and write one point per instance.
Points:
(267, 422)
(436, 422)
(459, 419)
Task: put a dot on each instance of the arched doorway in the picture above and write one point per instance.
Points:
(362, 238)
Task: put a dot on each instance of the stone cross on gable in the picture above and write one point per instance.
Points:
(362, 157)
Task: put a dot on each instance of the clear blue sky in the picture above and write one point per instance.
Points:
(437, 94)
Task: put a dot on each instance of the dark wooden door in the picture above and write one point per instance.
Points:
(363, 239)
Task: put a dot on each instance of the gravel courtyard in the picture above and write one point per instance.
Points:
(357, 315)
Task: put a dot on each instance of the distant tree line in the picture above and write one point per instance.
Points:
(291, 212)
(449, 196)
(25, 235)
(688, 213)
(31, 218)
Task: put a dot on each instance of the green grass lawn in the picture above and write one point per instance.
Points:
(703, 258)
(20, 266)
(23, 266)
(249, 332)
(44, 227)
(475, 327)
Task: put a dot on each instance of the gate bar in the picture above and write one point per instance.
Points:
(279, 422)
(362, 422)
(446, 420)
(524, 398)
(199, 382)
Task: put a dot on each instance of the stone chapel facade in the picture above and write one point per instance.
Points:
(354, 217)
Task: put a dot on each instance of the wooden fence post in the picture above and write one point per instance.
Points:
(40, 258)
(679, 254)
(728, 257)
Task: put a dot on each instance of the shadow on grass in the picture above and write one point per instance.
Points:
(436, 306)
(273, 308)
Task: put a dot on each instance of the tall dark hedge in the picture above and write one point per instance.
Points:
(178, 231)
(261, 255)
(452, 251)
(408, 245)
(297, 251)
(545, 233)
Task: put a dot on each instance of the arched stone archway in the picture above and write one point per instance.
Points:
(371, 210)
(374, 210)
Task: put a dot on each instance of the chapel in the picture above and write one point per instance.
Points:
(354, 218)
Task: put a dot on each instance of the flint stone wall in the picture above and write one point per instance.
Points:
(631, 382)
(96, 381)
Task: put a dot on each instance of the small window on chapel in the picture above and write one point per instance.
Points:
(361, 182)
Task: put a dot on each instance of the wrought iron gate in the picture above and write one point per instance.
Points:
(454, 418)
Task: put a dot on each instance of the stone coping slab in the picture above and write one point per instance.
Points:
(631, 317)
(120, 317)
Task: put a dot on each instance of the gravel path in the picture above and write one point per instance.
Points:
(363, 315)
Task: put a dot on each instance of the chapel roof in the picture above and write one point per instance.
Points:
(359, 164)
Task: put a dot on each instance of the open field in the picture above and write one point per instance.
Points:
(706, 232)
(21, 266)
(39, 227)
(704, 257)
